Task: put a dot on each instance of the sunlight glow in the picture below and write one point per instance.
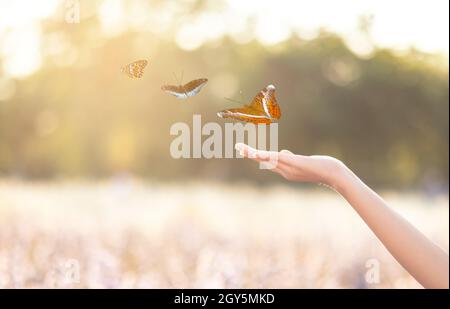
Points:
(396, 24)
(21, 12)
(112, 17)
(22, 55)
(20, 34)
(399, 24)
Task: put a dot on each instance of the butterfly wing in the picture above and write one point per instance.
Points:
(176, 91)
(188, 90)
(194, 87)
(266, 102)
(135, 69)
(264, 108)
(247, 114)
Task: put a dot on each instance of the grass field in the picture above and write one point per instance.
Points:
(125, 233)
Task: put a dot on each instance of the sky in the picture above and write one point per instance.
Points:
(399, 24)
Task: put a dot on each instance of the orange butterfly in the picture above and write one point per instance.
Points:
(185, 91)
(263, 109)
(135, 69)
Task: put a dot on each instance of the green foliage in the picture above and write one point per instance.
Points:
(386, 116)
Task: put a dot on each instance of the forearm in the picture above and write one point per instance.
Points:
(423, 259)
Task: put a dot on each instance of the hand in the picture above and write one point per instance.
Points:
(424, 260)
(315, 169)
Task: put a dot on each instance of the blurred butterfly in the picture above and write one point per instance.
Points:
(135, 69)
(187, 90)
(263, 109)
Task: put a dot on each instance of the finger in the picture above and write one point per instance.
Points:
(269, 160)
(244, 149)
(288, 158)
(280, 170)
(276, 170)
(276, 165)
(286, 151)
(255, 154)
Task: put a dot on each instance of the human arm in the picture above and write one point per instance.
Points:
(423, 259)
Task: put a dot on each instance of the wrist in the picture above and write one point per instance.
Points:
(340, 177)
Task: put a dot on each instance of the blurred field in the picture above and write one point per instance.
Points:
(124, 233)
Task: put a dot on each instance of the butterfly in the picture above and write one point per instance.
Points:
(185, 91)
(135, 69)
(263, 109)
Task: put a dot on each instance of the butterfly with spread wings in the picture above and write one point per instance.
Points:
(135, 69)
(187, 90)
(263, 109)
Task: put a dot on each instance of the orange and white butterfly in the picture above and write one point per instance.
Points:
(135, 69)
(185, 91)
(263, 109)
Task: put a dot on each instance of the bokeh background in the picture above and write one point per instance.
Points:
(86, 177)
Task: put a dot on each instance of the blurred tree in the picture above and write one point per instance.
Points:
(385, 115)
